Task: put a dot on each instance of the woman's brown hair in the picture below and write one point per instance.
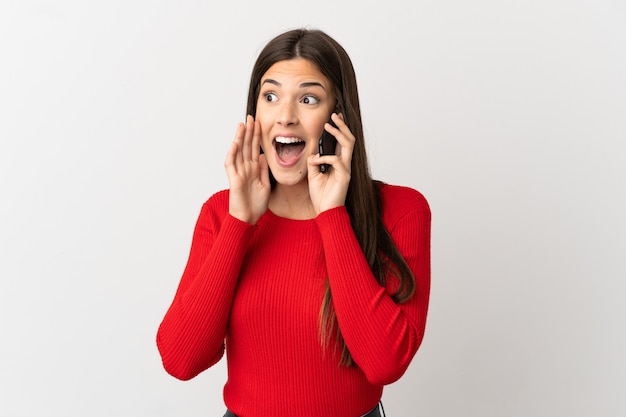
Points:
(363, 202)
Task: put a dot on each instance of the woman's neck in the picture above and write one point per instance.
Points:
(292, 201)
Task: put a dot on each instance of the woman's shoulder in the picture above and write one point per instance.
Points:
(402, 195)
(216, 207)
(398, 201)
(220, 198)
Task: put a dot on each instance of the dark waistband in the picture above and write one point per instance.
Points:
(374, 413)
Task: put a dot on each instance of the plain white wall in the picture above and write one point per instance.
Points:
(509, 116)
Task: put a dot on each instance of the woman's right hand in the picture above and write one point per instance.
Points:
(248, 174)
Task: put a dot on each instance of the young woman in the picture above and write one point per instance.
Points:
(316, 284)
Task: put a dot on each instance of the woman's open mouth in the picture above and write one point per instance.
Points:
(288, 150)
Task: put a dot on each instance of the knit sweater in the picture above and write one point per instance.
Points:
(255, 291)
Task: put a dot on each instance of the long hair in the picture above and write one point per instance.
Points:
(363, 201)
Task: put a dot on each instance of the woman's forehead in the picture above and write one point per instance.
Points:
(296, 70)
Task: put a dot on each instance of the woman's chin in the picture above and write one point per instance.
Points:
(291, 177)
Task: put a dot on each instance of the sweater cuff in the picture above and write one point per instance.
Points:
(332, 218)
(334, 224)
(234, 232)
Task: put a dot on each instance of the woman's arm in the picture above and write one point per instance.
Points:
(382, 336)
(191, 336)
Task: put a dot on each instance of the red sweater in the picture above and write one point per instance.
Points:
(258, 290)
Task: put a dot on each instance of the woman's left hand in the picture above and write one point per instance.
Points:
(329, 189)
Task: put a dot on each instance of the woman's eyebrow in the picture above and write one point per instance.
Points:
(312, 84)
(270, 81)
(302, 85)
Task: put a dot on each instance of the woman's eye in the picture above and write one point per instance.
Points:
(310, 100)
(270, 97)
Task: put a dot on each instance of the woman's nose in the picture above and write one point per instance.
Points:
(287, 115)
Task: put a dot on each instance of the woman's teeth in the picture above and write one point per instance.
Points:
(286, 141)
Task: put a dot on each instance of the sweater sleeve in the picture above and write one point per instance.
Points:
(382, 336)
(191, 336)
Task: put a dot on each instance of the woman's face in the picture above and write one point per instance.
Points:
(295, 100)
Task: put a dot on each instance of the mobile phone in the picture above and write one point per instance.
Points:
(327, 145)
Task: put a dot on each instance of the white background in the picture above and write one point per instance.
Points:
(510, 116)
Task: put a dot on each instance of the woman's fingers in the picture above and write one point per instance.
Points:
(247, 138)
(237, 146)
(234, 157)
(256, 142)
(231, 156)
(344, 137)
(248, 173)
(250, 141)
(265, 171)
(243, 154)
